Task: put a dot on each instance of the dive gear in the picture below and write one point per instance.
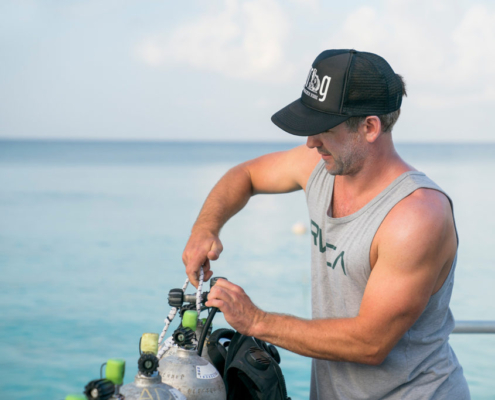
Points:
(180, 365)
(100, 389)
(252, 370)
(148, 382)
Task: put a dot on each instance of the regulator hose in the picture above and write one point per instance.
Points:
(206, 327)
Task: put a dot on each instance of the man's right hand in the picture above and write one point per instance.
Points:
(201, 247)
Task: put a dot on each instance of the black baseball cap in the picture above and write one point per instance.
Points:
(341, 84)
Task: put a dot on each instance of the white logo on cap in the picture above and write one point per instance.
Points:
(317, 87)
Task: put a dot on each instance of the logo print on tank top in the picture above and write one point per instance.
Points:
(318, 242)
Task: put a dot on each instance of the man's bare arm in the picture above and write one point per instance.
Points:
(280, 172)
(400, 285)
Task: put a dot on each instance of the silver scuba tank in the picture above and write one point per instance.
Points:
(195, 377)
(148, 383)
(186, 371)
(180, 366)
(150, 387)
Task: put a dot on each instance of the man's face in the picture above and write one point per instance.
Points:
(343, 151)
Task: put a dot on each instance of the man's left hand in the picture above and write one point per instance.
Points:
(238, 309)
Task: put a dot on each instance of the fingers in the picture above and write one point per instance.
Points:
(207, 272)
(216, 249)
(222, 294)
(193, 276)
(220, 299)
(229, 286)
(238, 309)
(220, 304)
(200, 249)
(193, 279)
(208, 275)
(193, 265)
(192, 271)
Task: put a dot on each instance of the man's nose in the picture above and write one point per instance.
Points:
(313, 141)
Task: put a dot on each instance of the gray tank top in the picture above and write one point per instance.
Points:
(422, 365)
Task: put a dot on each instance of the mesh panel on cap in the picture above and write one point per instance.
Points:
(373, 87)
(328, 53)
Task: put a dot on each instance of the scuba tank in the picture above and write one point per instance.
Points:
(150, 387)
(148, 382)
(180, 364)
(192, 375)
(174, 370)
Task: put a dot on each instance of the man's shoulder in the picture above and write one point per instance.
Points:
(418, 236)
(422, 218)
(423, 204)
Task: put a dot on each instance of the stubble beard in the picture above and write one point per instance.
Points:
(350, 160)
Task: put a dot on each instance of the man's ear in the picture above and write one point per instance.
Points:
(372, 127)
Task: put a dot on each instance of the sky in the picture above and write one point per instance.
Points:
(217, 70)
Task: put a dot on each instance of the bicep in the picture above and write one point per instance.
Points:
(414, 248)
(281, 172)
(394, 298)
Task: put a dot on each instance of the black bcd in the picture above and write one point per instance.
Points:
(250, 366)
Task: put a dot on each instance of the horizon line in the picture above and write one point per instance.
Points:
(210, 142)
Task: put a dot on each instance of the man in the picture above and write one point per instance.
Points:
(383, 242)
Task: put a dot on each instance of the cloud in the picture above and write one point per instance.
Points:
(245, 39)
(445, 52)
(311, 4)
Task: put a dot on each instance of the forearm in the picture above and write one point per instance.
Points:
(225, 200)
(362, 339)
(344, 339)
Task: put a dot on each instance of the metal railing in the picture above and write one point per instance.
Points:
(474, 327)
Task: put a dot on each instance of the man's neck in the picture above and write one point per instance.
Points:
(379, 169)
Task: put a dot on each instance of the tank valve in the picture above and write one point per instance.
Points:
(175, 298)
(99, 389)
(184, 336)
(148, 364)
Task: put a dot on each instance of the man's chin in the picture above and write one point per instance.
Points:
(333, 169)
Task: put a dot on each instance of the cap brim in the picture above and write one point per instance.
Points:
(301, 120)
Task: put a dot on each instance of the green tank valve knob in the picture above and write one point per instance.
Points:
(116, 370)
(149, 343)
(76, 397)
(190, 319)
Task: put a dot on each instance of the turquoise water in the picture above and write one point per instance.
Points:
(91, 237)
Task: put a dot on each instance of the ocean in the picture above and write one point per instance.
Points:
(92, 234)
